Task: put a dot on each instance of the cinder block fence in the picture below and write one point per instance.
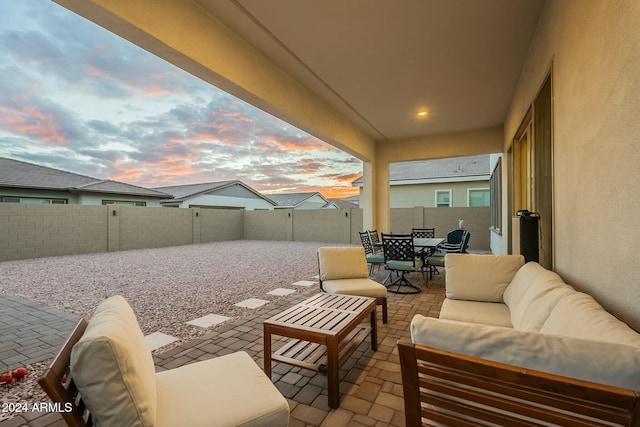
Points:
(33, 231)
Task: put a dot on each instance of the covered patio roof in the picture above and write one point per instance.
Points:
(354, 74)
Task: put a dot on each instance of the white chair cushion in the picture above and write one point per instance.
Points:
(476, 277)
(358, 287)
(601, 362)
(533, 309)
(578, 315)
(488, 313)
(230, 390)
(346, 262)
(113, 368)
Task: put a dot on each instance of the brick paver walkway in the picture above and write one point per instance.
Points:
(30, 332)
(370, 387)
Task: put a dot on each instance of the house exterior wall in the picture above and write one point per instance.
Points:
(96, 199)
(594, 48)
(409, 196)
(44, 194)
(91, 199)
(215, 200)
(315, 202)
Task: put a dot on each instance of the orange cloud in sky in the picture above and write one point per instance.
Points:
(33, 122)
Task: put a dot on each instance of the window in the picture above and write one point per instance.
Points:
(443, 198)
(123, 203)
(495, 188)
(478, 197)
(33, 200)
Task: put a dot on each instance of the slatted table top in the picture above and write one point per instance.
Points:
(324, 313)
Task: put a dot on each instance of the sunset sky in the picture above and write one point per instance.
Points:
(76, 97)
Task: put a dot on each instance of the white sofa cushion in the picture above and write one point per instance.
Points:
(346, 262)
(360, 287)
(476, 277)
(578, 315)
(488, 313)
(601, 362)
(230, 390)
(542, 295)
(113, 367)
(520, 283)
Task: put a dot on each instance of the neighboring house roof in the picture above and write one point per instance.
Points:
(343, 204)
(182, 192)
(469, 168)
(19, 174)
(291, 200)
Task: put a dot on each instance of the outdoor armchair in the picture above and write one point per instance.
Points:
(343, 270)
(105, 374)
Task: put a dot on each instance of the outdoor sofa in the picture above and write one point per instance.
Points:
(514, 343)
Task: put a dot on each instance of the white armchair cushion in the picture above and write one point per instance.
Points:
(113, 368)
(346, 262)
(480, 277)
(601, 362)
(360, 287)
(230, 390)
(533, 309)
(578, 315)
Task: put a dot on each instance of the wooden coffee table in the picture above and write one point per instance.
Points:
(326, 329)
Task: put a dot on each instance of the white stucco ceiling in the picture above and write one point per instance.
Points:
(379, 62)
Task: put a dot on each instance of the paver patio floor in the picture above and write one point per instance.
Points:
(370, 387)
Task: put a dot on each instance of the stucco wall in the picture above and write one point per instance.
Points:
(409, 196)
(595, 50)
(269, 225)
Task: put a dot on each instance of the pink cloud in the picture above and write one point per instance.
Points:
(30, 120)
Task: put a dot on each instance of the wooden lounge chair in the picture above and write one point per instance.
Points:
(104, 375)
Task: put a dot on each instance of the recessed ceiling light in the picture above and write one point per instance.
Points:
(422, 114)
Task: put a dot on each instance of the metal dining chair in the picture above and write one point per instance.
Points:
(399, 256)
(373, 258)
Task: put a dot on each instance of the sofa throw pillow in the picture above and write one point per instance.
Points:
(474, 277)
(542, 295)
(596, 361)
(342, 263)
(520, 283)
(113, 368)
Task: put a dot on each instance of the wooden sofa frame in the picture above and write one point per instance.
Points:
(59, 385)
(458, 390)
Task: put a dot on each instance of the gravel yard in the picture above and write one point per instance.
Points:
(166, 287)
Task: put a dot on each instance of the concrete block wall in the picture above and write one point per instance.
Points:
(269, 225)
(221, 224)
(322, 225)
(154, 227)
(476, 220)
(33, 231)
